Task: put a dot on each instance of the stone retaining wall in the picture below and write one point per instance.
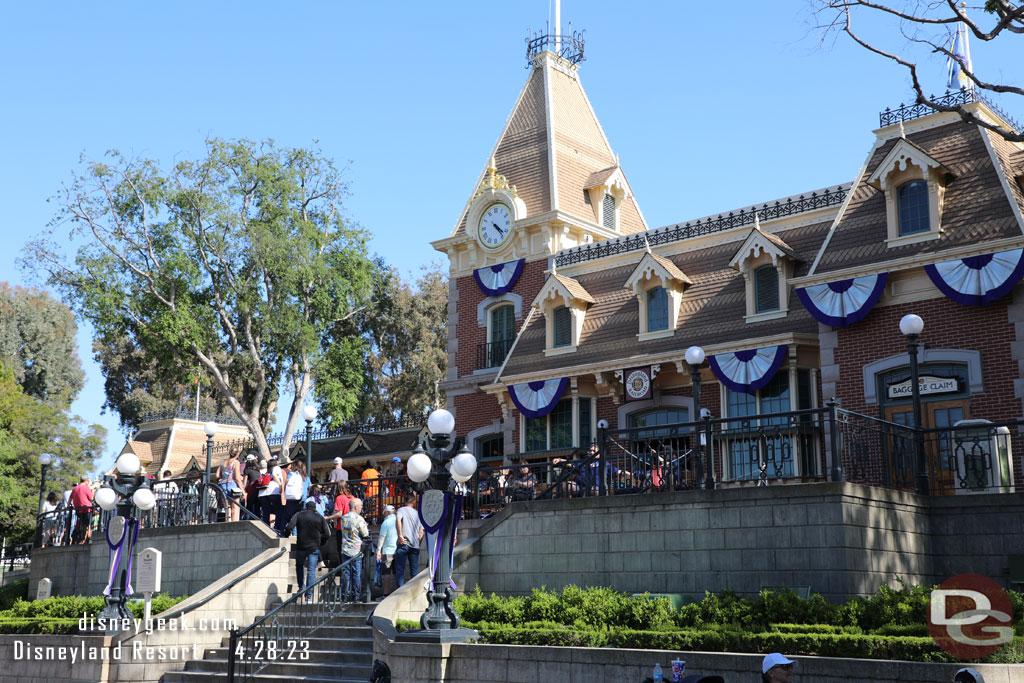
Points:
(193, 557)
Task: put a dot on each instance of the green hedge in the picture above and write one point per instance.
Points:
(887, 625)
(16, 590)
(61, 614)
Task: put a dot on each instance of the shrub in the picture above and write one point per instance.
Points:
(61, 614)
(16, 590)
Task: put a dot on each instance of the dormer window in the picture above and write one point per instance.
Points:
(766, 263)
(563, 327)
(563, 302)
(912, 207)
(914, 184)
(658, 285)
(608, 212)
(657, 309)
(766, 288)
(607, 189)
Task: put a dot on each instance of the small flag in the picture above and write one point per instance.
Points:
(962, 50)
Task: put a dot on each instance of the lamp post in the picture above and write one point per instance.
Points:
(695, 358)
(309, 414)
(911, 326)
(440, 512)
(126, 491)
(210, 428)
(44, 461)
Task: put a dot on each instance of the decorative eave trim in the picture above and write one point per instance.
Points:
(902, 153)
(552, 285)
(789, 338)
(758, 241)
(649, 267)
(909, 262)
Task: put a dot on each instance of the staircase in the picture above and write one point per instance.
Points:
(341, 651)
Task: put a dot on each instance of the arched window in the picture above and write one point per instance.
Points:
(766, 289)
(563, 327)
(657, 309)
(912, 207)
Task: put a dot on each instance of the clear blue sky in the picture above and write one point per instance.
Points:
(710, 106)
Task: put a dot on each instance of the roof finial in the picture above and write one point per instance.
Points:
(554, 266)
(647, 245)
(757, 221)
(903, 133)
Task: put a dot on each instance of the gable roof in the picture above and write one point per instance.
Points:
(652, 262)
(571, 287)
(767, 242)
(902, 153)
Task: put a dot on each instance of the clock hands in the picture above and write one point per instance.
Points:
(502, 232)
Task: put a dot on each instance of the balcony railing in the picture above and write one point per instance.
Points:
(492, 354)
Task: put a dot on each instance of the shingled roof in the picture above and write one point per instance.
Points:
(553, 93)
(975, 205)
(712, 311)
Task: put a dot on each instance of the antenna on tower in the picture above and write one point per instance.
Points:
(558, 27)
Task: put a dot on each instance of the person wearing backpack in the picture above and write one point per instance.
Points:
(270, 503)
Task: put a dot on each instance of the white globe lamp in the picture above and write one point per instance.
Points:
(128, 463)
(694, 356)
(144, 499)
(459, 478)
(911, 325)
(418, 467)
(441, 422)
(45, 459)
(463, 465)
(309, 413)
(210, 428)
(106, 498)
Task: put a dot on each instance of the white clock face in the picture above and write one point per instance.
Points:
(495, 226)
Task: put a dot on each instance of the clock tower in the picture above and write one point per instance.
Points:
(551, 182)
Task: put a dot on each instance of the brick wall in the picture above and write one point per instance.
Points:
(947, 325)
(469, 333)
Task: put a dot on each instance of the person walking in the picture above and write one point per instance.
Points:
(410, 534)
(353, 531)
(776, 669)
(291, 495)
(387, 544)
(81, 499)
(270, 495)
(339, 473)
(229, 477)
(50, 521)
(311, 530)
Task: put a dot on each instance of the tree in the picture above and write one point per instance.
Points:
(28, 427)
(407, 339)
(37, 343)
(929, 27)
(236, 263)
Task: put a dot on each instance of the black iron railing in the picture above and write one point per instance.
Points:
(492, 354)
(707, 226)
(956, 98)
(186, 414)
(568, 47)
(14, 557)
(278, 636)
(179, 502)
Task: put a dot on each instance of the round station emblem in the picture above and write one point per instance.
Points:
(637, 384)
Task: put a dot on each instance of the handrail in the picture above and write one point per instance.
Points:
(318, 587)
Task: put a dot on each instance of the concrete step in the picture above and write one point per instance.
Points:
(344, 655)
(295, 669)
(207, 677)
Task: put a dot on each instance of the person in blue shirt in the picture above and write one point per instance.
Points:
(387, 544)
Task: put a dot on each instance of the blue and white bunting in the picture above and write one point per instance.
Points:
(537, 399)
(978, 280)
(498, 279)
(843, 302)
(747, 371)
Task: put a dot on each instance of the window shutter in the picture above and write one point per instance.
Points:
(608, 212)
(563, 326)
(766, 289)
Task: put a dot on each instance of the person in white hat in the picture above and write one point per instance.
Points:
(339, 473)
(776, 669)
(387, 544)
